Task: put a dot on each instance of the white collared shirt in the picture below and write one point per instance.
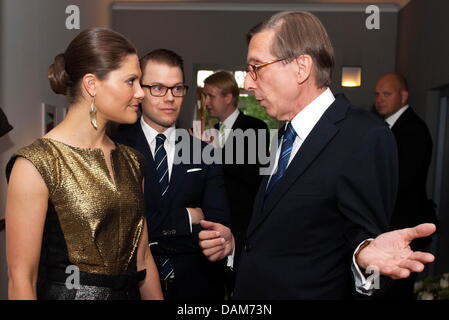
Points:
(169, 144)
(229, 123)
(304, 122)
(391, 120)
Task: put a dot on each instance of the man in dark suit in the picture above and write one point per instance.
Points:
(414, 152)
(333, 185)
(178, 194)
(242, 179)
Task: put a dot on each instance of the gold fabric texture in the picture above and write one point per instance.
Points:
(101, 221)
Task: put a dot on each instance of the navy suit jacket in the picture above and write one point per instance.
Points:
(338, 190)
(167, 218)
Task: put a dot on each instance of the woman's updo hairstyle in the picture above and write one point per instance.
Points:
(95, 50)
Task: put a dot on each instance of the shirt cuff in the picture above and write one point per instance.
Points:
(230, 262)
(190, 220)
(362, 285)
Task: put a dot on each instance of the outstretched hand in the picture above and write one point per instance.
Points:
(390, 252)
(216, 240)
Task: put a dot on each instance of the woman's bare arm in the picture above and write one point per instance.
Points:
(150, 288)
(26, 208)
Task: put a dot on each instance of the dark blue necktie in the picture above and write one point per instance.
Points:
(160, 159)
(287, 145)
(165, 267)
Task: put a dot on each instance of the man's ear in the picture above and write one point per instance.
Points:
(304, 65)
(404, 97)
(228, 98)
(89, 84)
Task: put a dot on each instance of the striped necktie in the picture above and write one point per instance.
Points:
(160, 159)
(287, 145)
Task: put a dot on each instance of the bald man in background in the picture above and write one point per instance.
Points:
(414, 152)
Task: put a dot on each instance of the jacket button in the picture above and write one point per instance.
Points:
(247, 247)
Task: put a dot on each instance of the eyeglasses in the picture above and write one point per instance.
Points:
(252, 69)
(158, 90)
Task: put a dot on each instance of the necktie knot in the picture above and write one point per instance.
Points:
(290, 133)
(160, 139)
(286, 149)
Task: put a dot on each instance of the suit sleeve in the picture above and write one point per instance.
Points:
(175, 223)
(367, 187)
(214, 202)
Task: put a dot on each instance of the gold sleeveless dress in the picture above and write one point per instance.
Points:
(94, 221)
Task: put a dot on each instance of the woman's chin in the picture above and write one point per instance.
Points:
(131, 119)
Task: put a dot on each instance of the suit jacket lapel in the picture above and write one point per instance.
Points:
(177, 173)
(403, 120)
(260, 196)
(238, 124)
(315, 142)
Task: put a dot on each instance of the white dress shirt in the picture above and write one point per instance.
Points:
(169, 146)
(229, 123)
(303, 123)
(391, 120)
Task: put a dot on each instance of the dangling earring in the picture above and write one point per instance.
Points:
(93, 114)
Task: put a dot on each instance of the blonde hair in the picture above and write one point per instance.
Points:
(224, 81)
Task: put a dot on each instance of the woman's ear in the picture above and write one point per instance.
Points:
(89, 84)
(304, 65)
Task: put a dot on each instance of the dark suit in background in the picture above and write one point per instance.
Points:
(168, 222)
(414, 152)
(242, 180)
(412, 206)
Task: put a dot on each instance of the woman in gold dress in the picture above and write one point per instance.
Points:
(75, 223)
